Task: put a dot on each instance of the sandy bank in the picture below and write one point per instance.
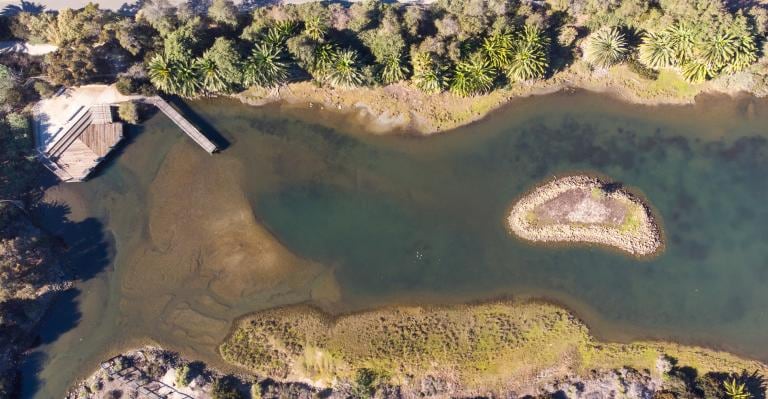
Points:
(401, 107)
(585, 209)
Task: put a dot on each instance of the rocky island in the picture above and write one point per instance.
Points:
(586, 209)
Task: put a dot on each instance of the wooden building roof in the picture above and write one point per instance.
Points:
(80, 145)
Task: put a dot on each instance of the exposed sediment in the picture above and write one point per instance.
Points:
(587, 209)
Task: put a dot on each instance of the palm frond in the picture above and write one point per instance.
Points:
(606, 47)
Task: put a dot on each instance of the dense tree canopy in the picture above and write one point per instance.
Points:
(219, 51)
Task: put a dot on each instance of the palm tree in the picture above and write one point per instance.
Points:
(736, 390)
(325, 55)
(159, 71)
(529, 58)
(533, 34)
(212, 79)
(185, 78)
(745, 53)
(392, 70)
(696, 71)
(684, 38)
(473, 76)
(265, 67)
(656, 51)
(427, 74)
(606, 47)
(718, 50)
(178, 76)
(345, 71)
(314, 27)
(278, 33)
(497, 48)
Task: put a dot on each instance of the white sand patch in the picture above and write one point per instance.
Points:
(14, 46)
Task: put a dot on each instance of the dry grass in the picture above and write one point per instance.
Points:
(494, 346)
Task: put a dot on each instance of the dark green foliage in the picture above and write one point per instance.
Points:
(10, 89)
(473, 76)
(126, 85)
(606, 47)
(428, 74)
(710, 386)
(265, 66)
(219, 67)
(183, 375)
(175, 76)
(17, 165)
(226, 388)
(43, 88)
(529, 57)
(701, 39)
(640, 69)
(223, 12)
(345, 70)
(366, 382)
(73, 65)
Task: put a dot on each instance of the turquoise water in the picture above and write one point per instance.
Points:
(376, 220)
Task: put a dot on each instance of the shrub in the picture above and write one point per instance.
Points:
(567, 36)
(43, 88)
(125, 85)
(710, 386)
(128, 112)
(9, 86)
(224, 388)
(183, 376)
(255, 391)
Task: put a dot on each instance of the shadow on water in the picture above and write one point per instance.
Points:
(86, 250)
(62, 316)
(131, 132)
(204, 125)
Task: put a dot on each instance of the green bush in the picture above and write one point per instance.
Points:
(9, 86)
(255, 390)
(366, 382)
(125, 85)
(43, 88)
(224, 388)
(128, 112)
(183, 376)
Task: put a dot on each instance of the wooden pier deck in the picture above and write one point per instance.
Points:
(183, 123)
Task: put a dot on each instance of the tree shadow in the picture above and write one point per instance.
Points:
(62, 316)
(130, 9)
(23, 6)
(131, 133)
(755, 383)
(84, 250)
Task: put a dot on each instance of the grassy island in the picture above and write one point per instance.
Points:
(585, 209)
(489, 348)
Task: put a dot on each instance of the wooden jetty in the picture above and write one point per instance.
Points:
(183, 123)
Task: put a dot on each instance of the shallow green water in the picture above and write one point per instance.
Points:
(412, 220)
